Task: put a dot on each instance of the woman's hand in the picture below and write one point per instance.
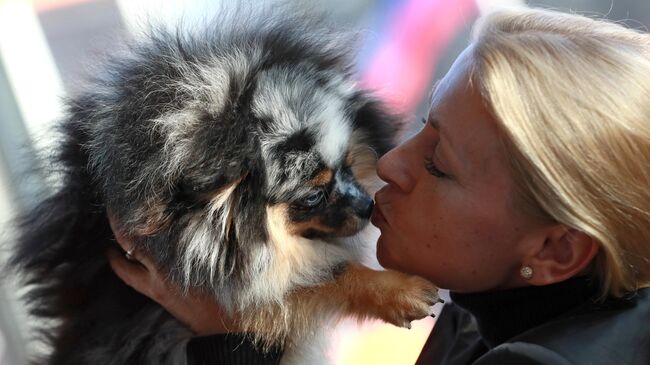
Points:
(200, 313)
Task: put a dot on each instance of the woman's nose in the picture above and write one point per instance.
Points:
(395, 168)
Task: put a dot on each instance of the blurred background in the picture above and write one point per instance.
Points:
(46, 45)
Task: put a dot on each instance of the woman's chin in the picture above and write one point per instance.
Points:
(384, 257)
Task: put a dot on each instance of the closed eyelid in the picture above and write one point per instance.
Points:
(435, 155)
(439, 154)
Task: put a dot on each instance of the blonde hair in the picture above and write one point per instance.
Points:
(572, 99)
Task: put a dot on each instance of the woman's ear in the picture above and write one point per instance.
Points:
(564, 253)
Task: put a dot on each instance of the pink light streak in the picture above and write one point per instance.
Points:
(402, 68)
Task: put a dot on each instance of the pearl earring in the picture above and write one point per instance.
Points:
(526, 272)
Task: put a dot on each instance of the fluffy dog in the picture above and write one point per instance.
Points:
(242, 159)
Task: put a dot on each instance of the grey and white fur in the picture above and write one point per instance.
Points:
(240, 156)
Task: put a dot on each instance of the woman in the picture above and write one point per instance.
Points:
(526, 193)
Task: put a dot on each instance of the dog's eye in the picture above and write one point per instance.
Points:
(313, 199)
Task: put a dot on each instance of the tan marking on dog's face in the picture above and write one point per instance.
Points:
(298, 228)
(323, 178)
(349, 226)
(284, 227)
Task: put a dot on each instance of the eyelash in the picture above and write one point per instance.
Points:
(430, 166)
(432, 169)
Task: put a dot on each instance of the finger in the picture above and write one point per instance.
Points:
(137, 255)
(132, 273)
(134, 252)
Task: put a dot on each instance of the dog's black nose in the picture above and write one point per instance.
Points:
(365, 208)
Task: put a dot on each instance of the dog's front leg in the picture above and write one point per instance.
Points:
(392, 296)
(356, 290)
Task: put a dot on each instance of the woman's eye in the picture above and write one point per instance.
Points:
(312, 199)
(432, 169)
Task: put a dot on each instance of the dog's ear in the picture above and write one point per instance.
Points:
(374, 120)
(201, 164)
(222, 156)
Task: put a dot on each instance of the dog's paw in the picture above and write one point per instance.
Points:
(406, 298)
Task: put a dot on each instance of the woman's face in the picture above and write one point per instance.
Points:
(447, 213)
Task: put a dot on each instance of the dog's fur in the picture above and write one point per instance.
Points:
(242, 159)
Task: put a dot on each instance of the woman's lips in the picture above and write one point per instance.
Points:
(377, 218)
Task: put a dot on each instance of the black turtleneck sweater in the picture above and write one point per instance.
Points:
(229, 349)
(501, 315)
(478, 322)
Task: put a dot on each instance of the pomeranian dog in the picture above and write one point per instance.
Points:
(241, 157)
